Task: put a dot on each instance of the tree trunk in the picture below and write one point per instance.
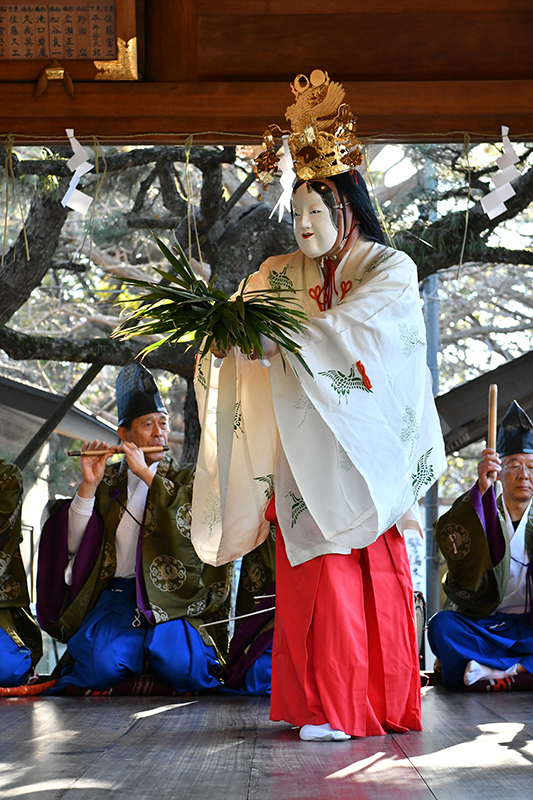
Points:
(247, 242)
(191, 442)
(18, 276)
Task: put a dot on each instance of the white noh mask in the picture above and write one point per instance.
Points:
(313, 227)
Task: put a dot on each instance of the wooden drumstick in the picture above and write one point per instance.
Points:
(493, 418)
(155, 449)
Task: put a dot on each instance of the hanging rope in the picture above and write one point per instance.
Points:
(191, 216)
(98, 153)
(10, 176)
(467, 213)
(248, 138)
(10, 138)
(188, 145)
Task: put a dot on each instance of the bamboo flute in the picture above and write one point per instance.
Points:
(154, 449)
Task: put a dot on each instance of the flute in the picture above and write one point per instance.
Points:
(155, 449)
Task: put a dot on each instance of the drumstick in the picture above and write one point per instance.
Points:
(155, 449)
(493, 414)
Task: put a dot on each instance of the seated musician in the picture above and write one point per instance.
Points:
(484, 637)
(20, 638)
(248, 668)
(118, 577)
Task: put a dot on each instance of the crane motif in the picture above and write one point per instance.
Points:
(343, 384)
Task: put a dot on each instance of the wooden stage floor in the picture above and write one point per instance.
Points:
(209, 748)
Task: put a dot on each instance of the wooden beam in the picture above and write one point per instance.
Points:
(416, 46)
(171, 40)
(359, 7)
(157, 112)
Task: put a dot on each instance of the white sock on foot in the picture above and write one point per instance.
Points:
(322, 733)
(475, 672)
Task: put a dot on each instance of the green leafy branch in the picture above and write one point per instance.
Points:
(185, 308)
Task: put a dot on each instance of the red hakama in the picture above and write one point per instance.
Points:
(345, 649)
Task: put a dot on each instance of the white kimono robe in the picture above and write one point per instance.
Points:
(348, 451)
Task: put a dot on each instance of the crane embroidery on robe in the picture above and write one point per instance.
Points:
(269, 488)
(379, 261)
(343, 384)
(410, 336)
(423, 475)
(411, 432)
(200, 377)
(303, 404)
(237, 420)
(394, 516)
(298, 505)
(211, 515)
(280, 280)
(344, 459)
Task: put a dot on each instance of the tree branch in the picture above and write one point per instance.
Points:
(169, 193)
(21, 347)
(201, 157)
(480, 332)
(158, 223)
(143, 191)
(445, 235)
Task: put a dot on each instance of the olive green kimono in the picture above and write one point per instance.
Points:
(15, 617)
(171, 581)
(473, 538)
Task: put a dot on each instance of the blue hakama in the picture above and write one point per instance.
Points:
(114, 642)
(498, 641)
(15, 661)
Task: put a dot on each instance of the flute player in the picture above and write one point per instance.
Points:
(118, 578)
(484, 637)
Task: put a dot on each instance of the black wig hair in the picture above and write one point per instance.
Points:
(356, 194)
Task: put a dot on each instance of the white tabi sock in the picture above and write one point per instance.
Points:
(475, 672)
(322, 733)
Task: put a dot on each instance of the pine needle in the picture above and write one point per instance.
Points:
(185, 308)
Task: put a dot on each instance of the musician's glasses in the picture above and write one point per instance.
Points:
(516, 469)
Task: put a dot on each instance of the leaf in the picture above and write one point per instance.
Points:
(184, 308)
(181, 265)
(239, 304)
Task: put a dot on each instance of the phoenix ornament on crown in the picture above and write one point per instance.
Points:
(323, 140)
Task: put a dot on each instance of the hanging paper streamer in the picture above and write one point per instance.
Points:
(288, 177)
(79, 165)
(493, 204)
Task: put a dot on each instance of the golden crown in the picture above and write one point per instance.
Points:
(323, 141)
